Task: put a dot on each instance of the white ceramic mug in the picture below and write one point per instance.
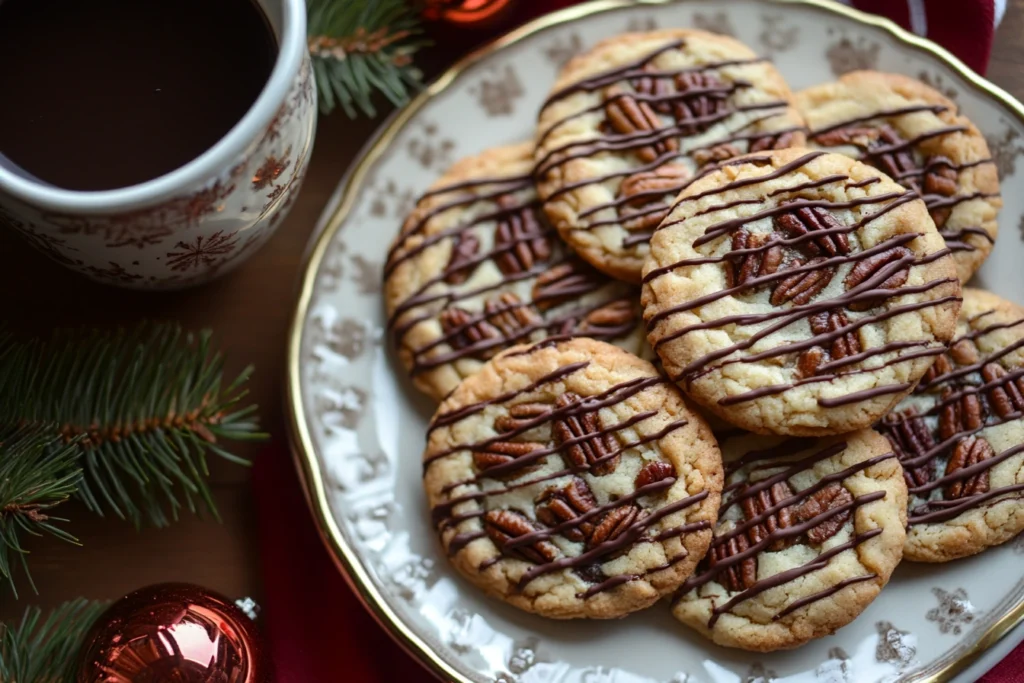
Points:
(201, 220)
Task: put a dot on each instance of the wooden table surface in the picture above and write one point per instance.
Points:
(249, 311)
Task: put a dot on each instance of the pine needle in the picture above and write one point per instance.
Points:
(45, 651)
(37, 473)
(359, 48)
(142, 410)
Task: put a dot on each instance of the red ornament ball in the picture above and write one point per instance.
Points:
(463, 11)
(173, 633)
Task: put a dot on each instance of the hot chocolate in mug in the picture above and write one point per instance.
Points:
(203, 218)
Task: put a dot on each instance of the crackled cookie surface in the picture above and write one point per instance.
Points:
(798, 292)
(475, 270)
(960, 436)
(631, 121)
(916, 136)
(808, 534)
(568, 479)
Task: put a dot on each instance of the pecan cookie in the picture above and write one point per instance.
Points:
(916, 136)
(476, 269)
(960, 436)
(569, 479)
(630, 122)
(798, 292)
(808, 534)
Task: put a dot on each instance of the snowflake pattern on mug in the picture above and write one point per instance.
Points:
(271, 170)
(113, 273)
(152, 226)
(202, 252)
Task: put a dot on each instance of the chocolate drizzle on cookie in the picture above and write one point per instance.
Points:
(479, 320)
(934, 177)
(651, 114)
(775, 516)
(943, 449)
(588, 447)
(796, 261)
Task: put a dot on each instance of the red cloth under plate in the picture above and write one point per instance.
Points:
(316, 628)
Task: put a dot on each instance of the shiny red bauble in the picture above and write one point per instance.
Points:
(463, 11)
(173, 633)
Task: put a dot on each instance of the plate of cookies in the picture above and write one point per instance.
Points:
(665, 342)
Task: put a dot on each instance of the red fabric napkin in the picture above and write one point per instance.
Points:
(316, 628)
(1010, 670)
(964, 27)
(317, 631)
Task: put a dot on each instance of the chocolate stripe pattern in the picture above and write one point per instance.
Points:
(940, 432)
(935, 178)
(558, 448)
(507, 280)
(772, 516)
(807, 248)
(667, 123)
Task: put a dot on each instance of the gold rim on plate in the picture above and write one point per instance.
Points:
(300, 440)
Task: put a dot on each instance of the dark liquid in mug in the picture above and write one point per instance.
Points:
(101, 94)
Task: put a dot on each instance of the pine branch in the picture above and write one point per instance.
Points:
(45, 651)
(38, 471)
(359, 48)
(142, 408)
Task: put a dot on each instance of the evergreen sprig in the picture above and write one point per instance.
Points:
(143, 408)
(36, 475)
(123, 420)
(359, 48)
(38, 650)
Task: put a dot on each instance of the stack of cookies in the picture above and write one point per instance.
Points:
(706, 339)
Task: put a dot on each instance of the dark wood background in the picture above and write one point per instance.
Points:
(249, 310)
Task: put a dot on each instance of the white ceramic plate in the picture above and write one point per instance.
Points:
(359, 425)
